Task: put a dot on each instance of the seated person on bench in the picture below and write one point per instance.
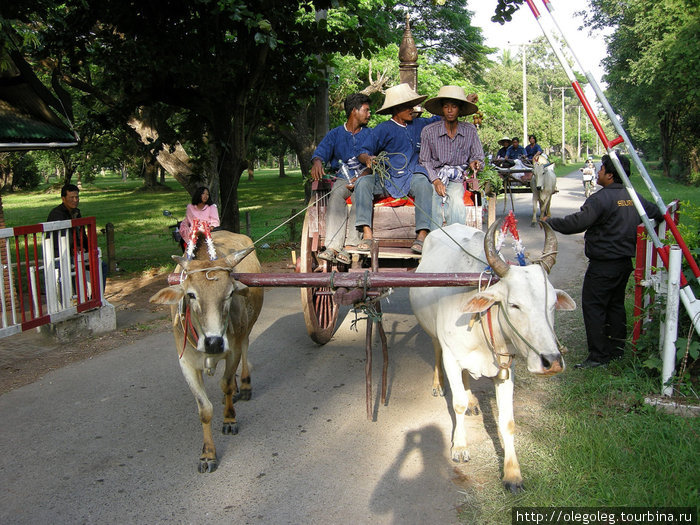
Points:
(340, 147)
(400, 138)
(448, 148)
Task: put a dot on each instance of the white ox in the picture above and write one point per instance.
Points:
(521, 309)
(216, 314)
(543, 185)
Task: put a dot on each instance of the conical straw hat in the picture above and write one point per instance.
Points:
(456, 93)
(398, 96)
(505, 141)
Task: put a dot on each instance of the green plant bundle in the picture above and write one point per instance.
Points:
(490, 179)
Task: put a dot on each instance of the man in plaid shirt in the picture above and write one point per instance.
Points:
(448, 148)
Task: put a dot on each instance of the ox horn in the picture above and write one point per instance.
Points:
(549, 253)
(499, 265)
(182, 261)
(234, 258)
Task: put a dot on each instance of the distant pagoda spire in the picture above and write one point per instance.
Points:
(408, 58)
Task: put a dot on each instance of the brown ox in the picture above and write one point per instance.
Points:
(213, 316)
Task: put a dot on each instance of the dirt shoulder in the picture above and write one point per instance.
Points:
(27, 357)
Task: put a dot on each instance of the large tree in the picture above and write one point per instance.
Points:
(652, 73)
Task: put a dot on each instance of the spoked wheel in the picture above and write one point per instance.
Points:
(320, 312)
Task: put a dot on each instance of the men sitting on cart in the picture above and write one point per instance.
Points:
(401, 175)
(515, 151)
(341, 147)
(505, 142)
(448, 149)
(533, 150)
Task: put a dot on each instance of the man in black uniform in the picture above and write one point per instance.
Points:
(610, 221)
(67, 210)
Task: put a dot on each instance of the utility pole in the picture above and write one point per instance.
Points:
(578, 147)
(563, 129)
(523, 47)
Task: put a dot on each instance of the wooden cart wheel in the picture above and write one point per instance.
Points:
(320, 312)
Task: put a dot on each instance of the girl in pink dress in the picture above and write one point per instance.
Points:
(200, 209)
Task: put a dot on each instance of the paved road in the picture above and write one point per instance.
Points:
(115, 439)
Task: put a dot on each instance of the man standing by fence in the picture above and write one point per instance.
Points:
(66, 211)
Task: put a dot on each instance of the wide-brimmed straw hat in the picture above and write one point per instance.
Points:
(398, 96)
(505, 141)
(456, 93)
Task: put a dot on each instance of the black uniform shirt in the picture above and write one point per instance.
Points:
(610, 221)
(61, 213)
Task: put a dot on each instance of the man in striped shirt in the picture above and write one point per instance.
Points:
(448, 148)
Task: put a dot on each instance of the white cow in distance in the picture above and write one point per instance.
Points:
(543, 185)
(521, 309)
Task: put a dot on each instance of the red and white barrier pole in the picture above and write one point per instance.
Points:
(691, 304)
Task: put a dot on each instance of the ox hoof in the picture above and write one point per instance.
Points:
(472, 411)
(460, 454)
(207, 465)
(514, 487)
(438, 391)
(230, 428)
(245, 394)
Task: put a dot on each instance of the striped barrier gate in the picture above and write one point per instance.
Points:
(50, 272)
(648, 272)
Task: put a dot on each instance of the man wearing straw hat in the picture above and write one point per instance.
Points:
(402, 175)
(448, 148)
(504, 143)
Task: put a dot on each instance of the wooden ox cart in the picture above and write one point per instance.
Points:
(326, 286)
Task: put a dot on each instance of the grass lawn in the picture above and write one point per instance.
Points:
(142, 238)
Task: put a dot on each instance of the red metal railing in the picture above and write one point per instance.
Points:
(50, 272)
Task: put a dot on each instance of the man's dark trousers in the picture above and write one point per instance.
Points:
(603, 302)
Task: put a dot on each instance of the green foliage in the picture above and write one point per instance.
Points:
(650, 70)
(490, 180)
(20, 171)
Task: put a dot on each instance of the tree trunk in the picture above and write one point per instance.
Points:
(694, 161)
(282, 160)
(177, 162)
(233, 160)
(251, 169)
(150, 174)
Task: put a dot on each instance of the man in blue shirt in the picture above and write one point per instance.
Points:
(340, 147)
(533, 150)
(400, 138)
(515, 150)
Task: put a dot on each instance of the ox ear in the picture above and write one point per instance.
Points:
(234, 258)
(240, 289)
(480, 302)
(564, 301)
(169, 295)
